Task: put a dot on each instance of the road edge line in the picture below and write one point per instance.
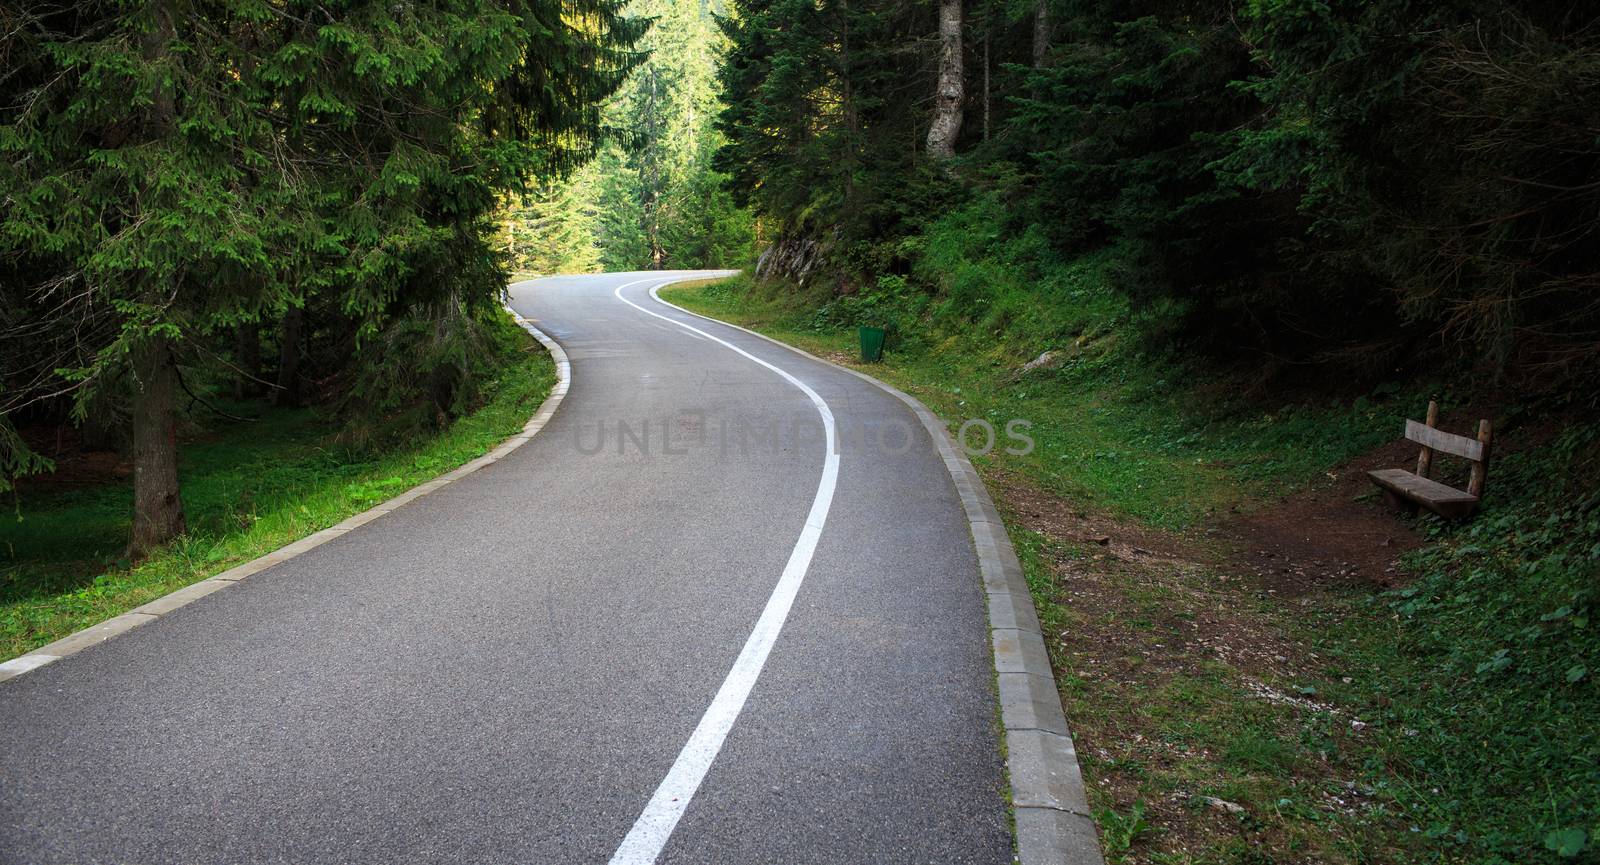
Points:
(96, 634)
(1053, 823)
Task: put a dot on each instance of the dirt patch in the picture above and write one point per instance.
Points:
(1335, 533)
(1188, 696)
(1061, 520)
(1182, 587)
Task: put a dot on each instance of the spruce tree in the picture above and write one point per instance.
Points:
(649, 188)
(174, 169)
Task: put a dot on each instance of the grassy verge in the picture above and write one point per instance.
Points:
(1110, 432)
(1221, 716)
(248, 489)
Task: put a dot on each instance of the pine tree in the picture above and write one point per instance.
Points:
(661, 138)
(553, 228)
(175, 168)
(826, 117)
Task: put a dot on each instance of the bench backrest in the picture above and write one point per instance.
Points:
(1450, 443)
(1433, 439)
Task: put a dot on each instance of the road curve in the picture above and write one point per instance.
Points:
(516, 667)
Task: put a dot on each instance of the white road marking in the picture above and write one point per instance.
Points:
(650, 832)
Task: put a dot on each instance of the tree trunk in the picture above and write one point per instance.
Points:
(986, 82)
(247, 357)
(289, 339)
(157, 506)
(1041, 32)
(950, 96)
(154, 46)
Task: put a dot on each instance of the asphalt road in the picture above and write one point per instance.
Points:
(506, 670)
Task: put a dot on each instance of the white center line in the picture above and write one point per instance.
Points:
(650, 832)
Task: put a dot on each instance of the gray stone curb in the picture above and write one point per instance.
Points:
(1046, 760)
(97, 634)
(1050, 835)
(1053, 826)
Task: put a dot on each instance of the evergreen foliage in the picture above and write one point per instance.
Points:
(1309, 182)
(826, 112)
(176, 169)
(651, 199)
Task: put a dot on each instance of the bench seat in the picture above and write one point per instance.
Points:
(1443, 500)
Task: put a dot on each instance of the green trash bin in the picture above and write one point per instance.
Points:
(872, 343)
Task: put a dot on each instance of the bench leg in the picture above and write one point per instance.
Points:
(1399, 503)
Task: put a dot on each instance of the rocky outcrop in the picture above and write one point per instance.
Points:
(793, 257)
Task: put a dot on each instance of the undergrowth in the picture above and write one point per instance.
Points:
(1113, 426)
(1486, 700)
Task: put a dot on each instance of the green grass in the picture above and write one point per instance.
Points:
(1111, 430)
(1479, 676)
(1476, 683)
(1169, 729)
(248, 488)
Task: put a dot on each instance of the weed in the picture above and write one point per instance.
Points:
(1119, 831)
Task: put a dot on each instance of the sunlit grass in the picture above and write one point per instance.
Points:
(1107, 431)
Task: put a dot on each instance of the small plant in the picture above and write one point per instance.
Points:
(1566, 843)
(1120, 831)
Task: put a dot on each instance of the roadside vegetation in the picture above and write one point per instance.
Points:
(1240, 691)
(249, 488)
(293, 201)
(1217, 252)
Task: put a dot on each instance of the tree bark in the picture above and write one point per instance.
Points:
(154, 47)
(1041, 32)
(986, 82)
(289, 339)
(950, 97)
(157, 505)
(247, 356)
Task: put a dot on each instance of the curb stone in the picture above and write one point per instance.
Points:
(94, 635)
(1052, 811)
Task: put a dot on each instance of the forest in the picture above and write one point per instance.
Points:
(192, 186)
(1294, 183)
(650, 198)
(1217, 251)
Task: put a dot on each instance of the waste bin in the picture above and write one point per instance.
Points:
(872, 343)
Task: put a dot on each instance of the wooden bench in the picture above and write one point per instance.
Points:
(1405, 490)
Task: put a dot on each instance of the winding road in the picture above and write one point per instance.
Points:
(674, 626)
